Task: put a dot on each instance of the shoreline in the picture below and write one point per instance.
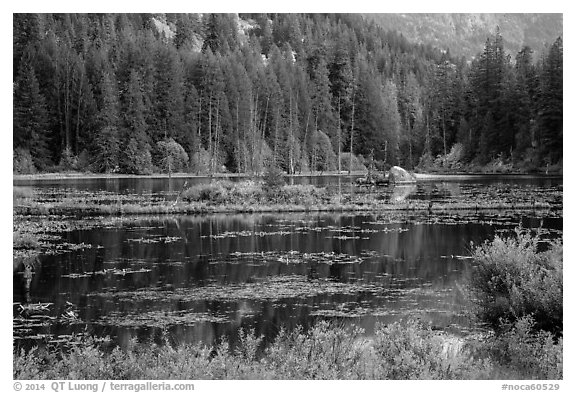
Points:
(93, 209)
(419, 176)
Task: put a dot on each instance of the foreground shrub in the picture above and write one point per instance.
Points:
(521, 352)
(412, 351)
(326, 351)
(513, 280)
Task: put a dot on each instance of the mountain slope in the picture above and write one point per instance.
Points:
(465, 34)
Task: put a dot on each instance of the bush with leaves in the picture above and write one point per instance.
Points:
(412, 351)
(171, 156)
(351, 162)
(514, 280)
(522, 352)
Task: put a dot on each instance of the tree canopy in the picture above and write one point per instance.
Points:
(136, 93)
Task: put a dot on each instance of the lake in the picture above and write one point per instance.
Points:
(201, 278)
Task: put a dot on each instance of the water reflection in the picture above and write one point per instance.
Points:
(363, 268)
(401, 192)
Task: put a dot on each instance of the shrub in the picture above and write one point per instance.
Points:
(22, 162)
(357, 164)
(200, 161)
(273, 178)
(513, 280)
(300, 194)
(521, 352)
(171, 156)
(412, 351)
(212, 192)
(326, 351)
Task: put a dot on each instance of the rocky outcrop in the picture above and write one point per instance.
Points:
(399, 175)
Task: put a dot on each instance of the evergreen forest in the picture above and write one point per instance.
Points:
(210, 93)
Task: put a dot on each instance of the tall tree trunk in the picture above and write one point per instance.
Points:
(444, 133)
(261, 141)
(238, 160)
(213, 156)
(351, 137)
(199, 147)
(276, 136)
(78, 112)
(339, 138)
(291, 144)
(210, 135)
(306, 134)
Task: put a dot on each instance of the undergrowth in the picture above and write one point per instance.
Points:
(402, 350)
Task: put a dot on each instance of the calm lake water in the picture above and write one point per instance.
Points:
(198, 278)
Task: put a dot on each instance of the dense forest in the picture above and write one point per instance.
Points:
(205, 93)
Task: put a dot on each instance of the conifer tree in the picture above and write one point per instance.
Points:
(30, 117)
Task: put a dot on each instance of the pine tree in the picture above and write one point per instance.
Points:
(30, 117)
(391, 123)
(550, 101)
(107, 141)
(136, 158)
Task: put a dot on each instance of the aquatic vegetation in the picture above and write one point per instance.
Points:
(114, 271)
(169, 270)
(25, 241)
(251, 196)
(22, 193)
(159, 319)
(272, 288)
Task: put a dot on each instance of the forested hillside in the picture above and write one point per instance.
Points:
(465, 34)
(142, 93)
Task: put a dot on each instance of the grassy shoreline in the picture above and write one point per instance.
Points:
(248, 196)
(94, 209)
(424, 176)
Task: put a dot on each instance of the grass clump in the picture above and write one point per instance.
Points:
(224, 192)
(25, 241)
(250, 192)
(22, 193)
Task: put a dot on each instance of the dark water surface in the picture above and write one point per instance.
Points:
(198, 278)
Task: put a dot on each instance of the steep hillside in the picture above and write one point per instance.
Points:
(465, 34)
